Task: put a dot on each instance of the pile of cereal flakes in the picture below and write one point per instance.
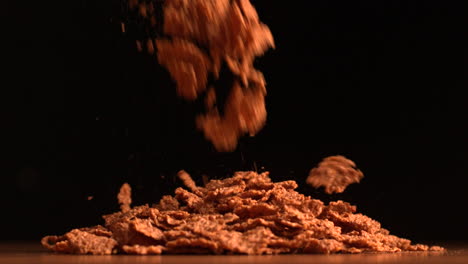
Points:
(244, 214)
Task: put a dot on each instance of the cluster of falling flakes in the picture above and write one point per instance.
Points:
(193, 41)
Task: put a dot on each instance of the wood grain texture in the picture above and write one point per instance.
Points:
(30, 252)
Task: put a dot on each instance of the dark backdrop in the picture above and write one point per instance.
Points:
(380, 82)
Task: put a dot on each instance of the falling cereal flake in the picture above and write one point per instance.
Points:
(125, 197)
(334, 173)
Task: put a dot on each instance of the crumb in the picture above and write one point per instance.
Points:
(125, 197)
(138, 46)
(150, 46)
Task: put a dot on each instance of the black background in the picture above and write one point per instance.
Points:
(380, 82)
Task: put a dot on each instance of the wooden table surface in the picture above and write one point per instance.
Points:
(30, 252)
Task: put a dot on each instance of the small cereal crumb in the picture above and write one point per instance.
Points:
(150, 46)
(138, 46)
(125, 197)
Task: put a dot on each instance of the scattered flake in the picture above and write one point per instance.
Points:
(334, 173)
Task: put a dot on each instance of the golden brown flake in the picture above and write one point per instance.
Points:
(79, 241)
(188, 181)
(143, 250)
(186, 63)
(334, 173)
